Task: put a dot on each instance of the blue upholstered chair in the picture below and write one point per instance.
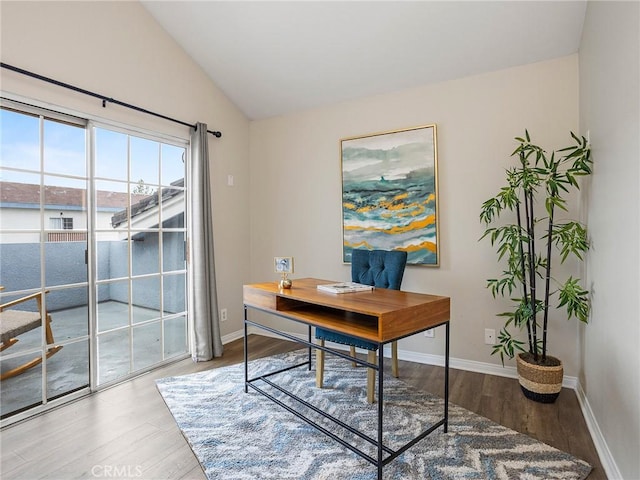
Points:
(382, 269)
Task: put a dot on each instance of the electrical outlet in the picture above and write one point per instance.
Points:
(429, 333)
(223, 315)
(489, 336)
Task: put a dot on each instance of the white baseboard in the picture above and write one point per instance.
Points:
(235, 336)
(607, 460)
(472, 366)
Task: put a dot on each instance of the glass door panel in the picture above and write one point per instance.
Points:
(113, 306)
(173, 254)
(145, 163)
(65, 236)
(20, 140)
(146, 299)
(22, 391)
(147, 345)
(43, 246)
(69, 312)
(111, 154)
(143, 212)
(20, 260)
(145, 253)
(174, 289)
(173, 207)
(64, 148)
(172, 165)
(112, 257)
(68, 369)
(135, 253)
(114, 356)
(29, 341)
(175, 333)
(65, 229)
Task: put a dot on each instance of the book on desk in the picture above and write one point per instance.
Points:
(345, 287)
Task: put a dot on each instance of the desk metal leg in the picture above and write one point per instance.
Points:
(309, 340)
(380, 405)
(246, 354)
(446, 379)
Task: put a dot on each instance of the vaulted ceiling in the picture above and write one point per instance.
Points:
(272, 58)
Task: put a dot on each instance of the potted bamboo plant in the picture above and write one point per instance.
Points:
(528, 248)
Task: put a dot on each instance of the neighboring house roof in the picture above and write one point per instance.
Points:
(26, 195)
(148, 202)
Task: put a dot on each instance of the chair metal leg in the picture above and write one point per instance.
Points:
(371, 377)
(320, 365)
(394, 359)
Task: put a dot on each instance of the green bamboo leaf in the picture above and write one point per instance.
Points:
(575, 299)
(575, 138)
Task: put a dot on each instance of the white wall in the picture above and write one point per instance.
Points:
(118, 50)
(296, 186)
(610, 110)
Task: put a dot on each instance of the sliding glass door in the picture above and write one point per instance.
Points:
(93, 234)
(141, 283)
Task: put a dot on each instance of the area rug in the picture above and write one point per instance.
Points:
(237, 435)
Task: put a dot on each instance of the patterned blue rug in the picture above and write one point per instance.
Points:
(246, 436)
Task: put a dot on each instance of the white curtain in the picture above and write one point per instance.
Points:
(207, 340)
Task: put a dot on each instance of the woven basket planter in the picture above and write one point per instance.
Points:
(540, 383)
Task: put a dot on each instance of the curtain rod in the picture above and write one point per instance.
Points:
(104, 98)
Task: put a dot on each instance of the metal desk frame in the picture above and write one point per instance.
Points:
(384, 453)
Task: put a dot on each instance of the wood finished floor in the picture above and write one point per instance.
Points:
(128, 429)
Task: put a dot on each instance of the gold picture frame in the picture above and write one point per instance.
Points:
(390, 193)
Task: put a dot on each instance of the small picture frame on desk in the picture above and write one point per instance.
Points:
(283, 264)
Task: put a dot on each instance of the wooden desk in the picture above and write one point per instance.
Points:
(380, 316)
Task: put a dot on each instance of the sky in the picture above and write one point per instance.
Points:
(62, 154)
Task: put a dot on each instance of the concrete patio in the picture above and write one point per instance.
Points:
(68, 369)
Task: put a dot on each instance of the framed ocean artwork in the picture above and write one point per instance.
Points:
(390, 193)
